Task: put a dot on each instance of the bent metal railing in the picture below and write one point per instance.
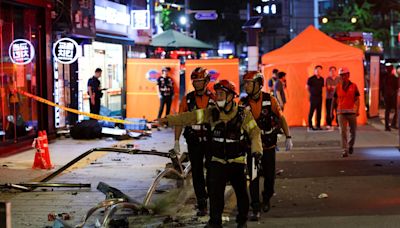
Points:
(119, 203)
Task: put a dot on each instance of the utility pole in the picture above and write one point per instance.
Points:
(187, 13)
(252, 37)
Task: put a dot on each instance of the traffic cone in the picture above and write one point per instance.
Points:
(46, 151)
(42, 157)
(39, 155)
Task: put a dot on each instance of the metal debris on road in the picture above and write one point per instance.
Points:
(323, 196)
(280, 172)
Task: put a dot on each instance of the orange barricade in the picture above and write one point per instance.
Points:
(218, 68)
(142, 96)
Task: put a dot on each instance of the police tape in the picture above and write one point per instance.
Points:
(91, 115)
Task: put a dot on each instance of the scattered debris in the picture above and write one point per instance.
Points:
(341, 171)
(323, 196)
(96, 163)
(378, 165)
(63, 216)
(225, 218)
(280, 172)
(116, 159)
(74, 193)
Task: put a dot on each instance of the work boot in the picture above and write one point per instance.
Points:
(387, 129)
(266, 206)
(351, 150)
(209, 225)
(345, 154)
(202, 207)
(255, 216)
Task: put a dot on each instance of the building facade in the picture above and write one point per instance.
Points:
(25, 65)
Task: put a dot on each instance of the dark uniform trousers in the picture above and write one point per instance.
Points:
(165, 101)
(268, 172)
(219, 175)
(197, 154)
(95, 109)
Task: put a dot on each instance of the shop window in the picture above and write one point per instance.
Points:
(18, 114)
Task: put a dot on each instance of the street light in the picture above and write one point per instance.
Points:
(325, 20)
(183, 20)
(353, 20)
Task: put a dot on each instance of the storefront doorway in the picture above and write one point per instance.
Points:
(108, 57)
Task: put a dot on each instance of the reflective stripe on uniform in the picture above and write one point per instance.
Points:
(265, 103)
(227, 140)
(199, 116)
(267, 132)
(241, 160)
(196, 127)
(252, 124)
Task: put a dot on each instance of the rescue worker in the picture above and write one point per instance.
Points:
(228, 123)
(268, 115)
(197, 136)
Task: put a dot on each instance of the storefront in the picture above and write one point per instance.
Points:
(108, 51)
(109, 58)
(25, 64)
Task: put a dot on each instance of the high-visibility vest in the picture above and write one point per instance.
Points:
(346, 98)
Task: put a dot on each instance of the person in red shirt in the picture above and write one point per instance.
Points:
(347, 101)
(197, 136)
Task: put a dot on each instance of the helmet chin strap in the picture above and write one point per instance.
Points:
(253, 94)
(226, 105)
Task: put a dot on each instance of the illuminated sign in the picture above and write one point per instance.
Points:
(21, 51)
(140, 19)
(112, 15)
(66, 51)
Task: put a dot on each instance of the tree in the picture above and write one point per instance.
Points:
(372, 16)
(166, 19)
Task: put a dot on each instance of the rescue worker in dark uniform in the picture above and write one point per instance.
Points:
(229, 123)
(198, 135)
(268, 115)
(165, 90)
(95, 92)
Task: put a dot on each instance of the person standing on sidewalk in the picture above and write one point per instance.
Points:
(315, 84)
(390, 88)
(198, 135)
(347, 102)
(229, 122)
(279, 89)
(265, 110)
(331, 83)
(165, 90)
(271, 81)
(94, 91)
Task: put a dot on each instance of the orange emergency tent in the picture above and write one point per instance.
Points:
(298, 59)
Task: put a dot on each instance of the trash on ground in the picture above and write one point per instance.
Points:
(323, 196)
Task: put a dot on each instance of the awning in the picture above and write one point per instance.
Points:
(114, 39)
(174, 39)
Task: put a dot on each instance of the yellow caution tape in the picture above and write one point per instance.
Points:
(91, 115)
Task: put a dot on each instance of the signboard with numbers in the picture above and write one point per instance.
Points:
(66, 51)
(21, 51)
